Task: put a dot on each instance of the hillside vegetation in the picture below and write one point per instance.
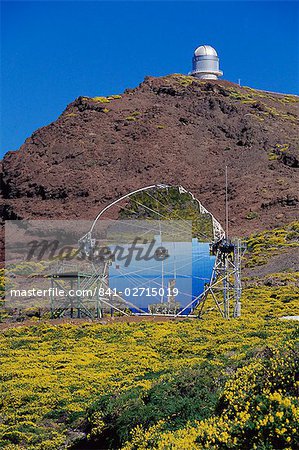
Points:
(187, 384)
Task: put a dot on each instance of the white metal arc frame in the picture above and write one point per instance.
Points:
(218, 231)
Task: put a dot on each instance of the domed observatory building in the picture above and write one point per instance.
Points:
(205, 63)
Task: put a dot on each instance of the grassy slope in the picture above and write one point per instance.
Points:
(51, 374)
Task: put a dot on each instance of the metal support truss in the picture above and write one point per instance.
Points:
(74, 292)
(225, 286)
(65, 297)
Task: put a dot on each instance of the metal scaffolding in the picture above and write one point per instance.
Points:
(224, 286)
(68, 298)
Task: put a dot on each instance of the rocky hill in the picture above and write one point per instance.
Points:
(175, 130)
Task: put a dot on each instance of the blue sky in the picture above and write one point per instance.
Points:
(52, 52)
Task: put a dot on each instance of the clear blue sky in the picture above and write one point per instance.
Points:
(52, 52)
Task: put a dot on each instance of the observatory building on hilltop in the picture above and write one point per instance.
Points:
(205, 63)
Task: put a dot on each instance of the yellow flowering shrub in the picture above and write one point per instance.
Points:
(259, 409)
(51, 374)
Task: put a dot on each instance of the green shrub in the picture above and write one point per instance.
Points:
(188, 395)
(252, 215)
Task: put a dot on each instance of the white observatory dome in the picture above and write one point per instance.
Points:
(205, 50)
(206, 63)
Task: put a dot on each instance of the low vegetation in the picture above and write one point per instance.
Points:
(262, 246)
(258, 409)
(191, 384)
